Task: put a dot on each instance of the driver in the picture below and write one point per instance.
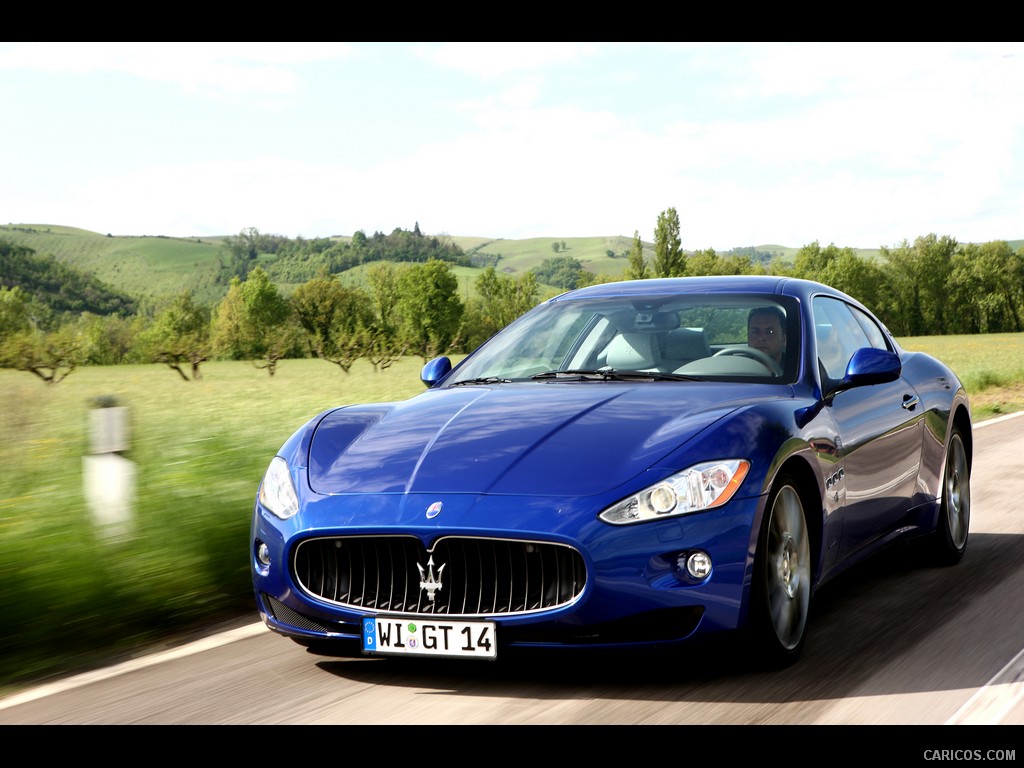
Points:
(766, 331)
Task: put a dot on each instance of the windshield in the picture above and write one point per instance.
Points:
(708, 336)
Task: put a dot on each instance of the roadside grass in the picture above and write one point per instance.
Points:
(72, 594)
(75, 597)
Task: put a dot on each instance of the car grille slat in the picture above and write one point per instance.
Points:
(461, 576)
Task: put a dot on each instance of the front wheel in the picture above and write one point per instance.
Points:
(781, 583)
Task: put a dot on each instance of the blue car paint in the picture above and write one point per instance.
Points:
(540, 461)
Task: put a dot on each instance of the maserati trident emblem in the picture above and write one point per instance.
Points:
(429, 580)
(433, 510)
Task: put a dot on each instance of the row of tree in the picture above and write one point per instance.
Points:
(405, 309)
(932, 286)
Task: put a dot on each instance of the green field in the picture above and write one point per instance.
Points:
(74, 597)
(990, 365)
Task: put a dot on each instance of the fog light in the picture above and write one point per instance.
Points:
(263, 554)
(698, 564)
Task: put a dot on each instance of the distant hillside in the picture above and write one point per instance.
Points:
(56, 288)
(159, 266)
(139, 266)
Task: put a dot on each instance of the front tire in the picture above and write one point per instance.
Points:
(782, 578)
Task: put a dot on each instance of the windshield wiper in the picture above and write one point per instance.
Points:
(651, 376)
(481, 380)
(610, 374)
(577, 374)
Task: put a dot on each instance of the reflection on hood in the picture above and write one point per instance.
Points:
(554, 439)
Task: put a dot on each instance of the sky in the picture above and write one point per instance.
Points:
(858, 144)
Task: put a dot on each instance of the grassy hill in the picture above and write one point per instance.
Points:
(141, 266)
(158, 266)
(517, 256)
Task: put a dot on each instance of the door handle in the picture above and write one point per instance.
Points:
(910, 402)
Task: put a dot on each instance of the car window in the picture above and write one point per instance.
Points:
(733, 337)
(837, 334)
(875, 336)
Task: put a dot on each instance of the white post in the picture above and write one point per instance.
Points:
(109, 476)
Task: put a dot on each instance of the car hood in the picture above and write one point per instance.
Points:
(525, 439)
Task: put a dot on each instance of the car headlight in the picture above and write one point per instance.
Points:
(277, 493)
(701, 486)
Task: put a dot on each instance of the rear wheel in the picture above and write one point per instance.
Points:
(949, 542)
(782, 578)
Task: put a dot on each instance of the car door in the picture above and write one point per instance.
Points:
(879, 426)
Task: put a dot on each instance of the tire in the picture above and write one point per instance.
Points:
(949, 541)
(781, 582)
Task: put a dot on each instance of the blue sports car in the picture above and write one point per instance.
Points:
(628, 465)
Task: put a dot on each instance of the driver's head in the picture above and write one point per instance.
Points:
(766, 331)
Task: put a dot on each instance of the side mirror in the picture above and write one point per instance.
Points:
(435, 370)
(871, 366)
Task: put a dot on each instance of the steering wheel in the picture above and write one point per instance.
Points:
(753, 354)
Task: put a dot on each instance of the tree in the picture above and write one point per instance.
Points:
(560, 271)
(107, 339)
(915, 293)
(240, 253)
(379, 339)
(669, 260)
(379, 347)
(987, 288)
(501, 299)
(52, 356)
(637, 268)
(333, 318)
(265, 319)
(15, 312)
(230, 331)
(555, 246)
(382, 282)
(428, 308)
(839, 267)
(180, 334)
(861, 278)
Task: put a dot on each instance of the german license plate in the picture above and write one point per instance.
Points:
(426, 636)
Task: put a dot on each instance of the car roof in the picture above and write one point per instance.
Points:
(723, 284)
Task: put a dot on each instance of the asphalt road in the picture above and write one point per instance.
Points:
(895, 642)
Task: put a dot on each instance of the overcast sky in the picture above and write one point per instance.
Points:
(857, 144)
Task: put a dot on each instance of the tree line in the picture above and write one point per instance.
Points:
(409, 302)
(404, 309)
(297, 260)
(934, 286)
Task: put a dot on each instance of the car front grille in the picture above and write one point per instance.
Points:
(459, 576)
